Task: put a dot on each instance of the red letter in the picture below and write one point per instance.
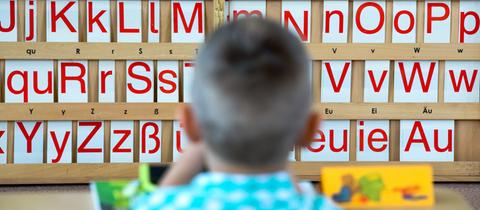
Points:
(380, 22)
(31, 19)
(1, 134)
(117, 146)
(79, 78)
(328, 15)
(411, 18)
(152, 18)
(289, 18)
(96, 19)
(48, 89)
(197, 10)
(168, 82)
(237, 13)
(416, 68)
(24, 88)
(96, 127)
(463, 77)
(447, 148)
(61, 15)
(321, 139)
(430, 18)
(463, 30)
(139, 77)
(337, 87)
(103, 78)
(178, 144)
(12, 18)
(377, 87)
(344, 144)
(29, 137)
(153, 136)
(122, 21)
(59, 148)
(422, 139)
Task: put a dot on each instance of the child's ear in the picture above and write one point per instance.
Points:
(309, 131)
(189, 122)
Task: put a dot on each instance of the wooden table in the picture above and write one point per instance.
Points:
(445, 200)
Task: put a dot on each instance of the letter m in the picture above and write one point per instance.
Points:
(178, 11)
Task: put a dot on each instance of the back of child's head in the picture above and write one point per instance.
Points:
(251, 92)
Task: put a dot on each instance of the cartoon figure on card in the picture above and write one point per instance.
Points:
(367, 188)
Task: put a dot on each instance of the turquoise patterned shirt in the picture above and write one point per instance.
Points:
(214, 190)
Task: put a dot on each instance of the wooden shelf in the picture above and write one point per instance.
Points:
(166, 111)
(181, 51)
(84, 173)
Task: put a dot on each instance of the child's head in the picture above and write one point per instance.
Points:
(251, 94)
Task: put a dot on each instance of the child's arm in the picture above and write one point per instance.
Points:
(188, 166)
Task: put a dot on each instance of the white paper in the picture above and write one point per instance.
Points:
(90, 141)
(31, 21)
(462, 80)
(72, 81)
(8, 25)
(335, 21)
(3, 142)
(437, 31)
(336, 81)
(246, 8)
(331, 142)
(188, 21)
(427, 140)
(404, 29)
(129, 21)
(376, 81)
(139, 82)
(297, 17)
(98, 21)
(106, 84)
(150, 141)
(154, 21)
(373, 140)
(469, 21)
(28, 142)
(121, 141)
(416, 81)
(369, 21)
(59, 142)
(180, 140)
(62, 23)
(188, 72)
(167, 81)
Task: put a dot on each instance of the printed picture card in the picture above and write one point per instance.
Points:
(297, 17)
(59, 142)
(462, 82)
(416, 81)
(330, 143)
(150, 141)
(28, 142)
(427, 140)
(369, 21)
(335, 21)
(373, 140)
(121, 141)
(188, 21)
(336, 81)
(62, 20)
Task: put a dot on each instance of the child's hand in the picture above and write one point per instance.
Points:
(191, 162)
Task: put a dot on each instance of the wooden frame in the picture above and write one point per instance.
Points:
(467, 115)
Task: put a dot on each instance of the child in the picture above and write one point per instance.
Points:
(251, 105)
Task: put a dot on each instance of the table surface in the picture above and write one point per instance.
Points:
(445, 199)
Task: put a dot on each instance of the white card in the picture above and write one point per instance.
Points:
(59, 142)
(336, 81)
(62, 21)
(72, 81)
(28, 142)
(98, 21)
(154, 21)
(427, 140)
(416, 81)
(180, 140)
(188, 72)
(373, 140)
(462, 81)
(31, 21)
(376, 81)
(335, 21)
(437, 21)
(8, 21)
(469, 30)
(90, 141)
(369, 21)
(246, 8)
(167, 80)
(291, 155)
(188, 21)
(297, 17)
(404, 29)
(28, 81)
(150, 141)
(121, 141)
(129, 21)
(3, 142)
(139, 82)
(106, 84)
(331, 142)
